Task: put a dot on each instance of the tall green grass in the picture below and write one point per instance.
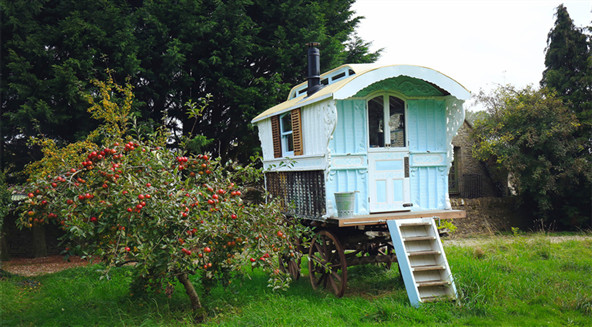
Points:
(523, 281)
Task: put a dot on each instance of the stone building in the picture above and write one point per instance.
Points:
(469, 177)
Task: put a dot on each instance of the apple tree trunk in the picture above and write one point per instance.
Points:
(193, 297)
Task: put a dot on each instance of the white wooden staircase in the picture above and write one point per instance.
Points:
(422, 261)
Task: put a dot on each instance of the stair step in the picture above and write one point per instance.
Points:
(428, 268)
(419, 238)
(422, 260)
(434, 298)
(428, 252)
(415, 224)
(433, 283)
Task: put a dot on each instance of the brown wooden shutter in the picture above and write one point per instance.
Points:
(277, 137)
(297, 132)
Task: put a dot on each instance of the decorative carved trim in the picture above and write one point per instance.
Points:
(331, 176)
(363, 203)
(265, 134)
(455, 116)
(330, 122)
(330, 119)
(409, 86)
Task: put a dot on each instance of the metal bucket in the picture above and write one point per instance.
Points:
(345, 203)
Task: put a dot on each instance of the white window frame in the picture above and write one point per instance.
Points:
(386, 119)
(284, 136)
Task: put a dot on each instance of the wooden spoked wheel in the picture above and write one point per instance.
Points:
(291, 263)
(386, 249)
(291, 266)
(326, 263)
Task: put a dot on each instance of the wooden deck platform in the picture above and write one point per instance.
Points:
(381, 218)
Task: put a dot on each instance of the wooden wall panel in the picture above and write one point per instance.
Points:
(297, 132)
(277, 137)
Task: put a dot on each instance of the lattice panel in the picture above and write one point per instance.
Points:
(302, 192)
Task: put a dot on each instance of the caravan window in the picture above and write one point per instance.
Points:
(386, 122)
(286, 132)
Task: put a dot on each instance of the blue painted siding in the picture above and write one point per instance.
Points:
(429, 186)
(426, 125)
(426, 128)
(350, 138)
(349, 180)
(427, 134)
(350, 132)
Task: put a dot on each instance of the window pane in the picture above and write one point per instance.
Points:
(397, 122)
(289, 142)
(376, 122)
(286, 123)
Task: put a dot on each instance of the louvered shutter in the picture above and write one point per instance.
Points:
(297, 132)
(277, 136)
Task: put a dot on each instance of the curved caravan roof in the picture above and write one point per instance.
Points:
(347, 80)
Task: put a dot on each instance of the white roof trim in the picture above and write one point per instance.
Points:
(365, 75)
(361, 81)
(299, 104)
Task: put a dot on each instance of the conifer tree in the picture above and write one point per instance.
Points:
(568, 65)
(246, 53)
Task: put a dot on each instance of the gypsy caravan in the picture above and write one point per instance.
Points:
(381, 132)
(362, 153)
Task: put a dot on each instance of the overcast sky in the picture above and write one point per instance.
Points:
(479, 43)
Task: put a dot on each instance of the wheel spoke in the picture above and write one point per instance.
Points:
(294, 269)
(327, 263)
(318, 281)
(336, 275)
(334, 286)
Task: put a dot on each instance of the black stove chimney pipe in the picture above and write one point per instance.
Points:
(314, 68)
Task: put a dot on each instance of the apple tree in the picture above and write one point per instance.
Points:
(172, 214)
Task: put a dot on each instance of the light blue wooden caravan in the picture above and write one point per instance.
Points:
(383, 132)
(362, 154)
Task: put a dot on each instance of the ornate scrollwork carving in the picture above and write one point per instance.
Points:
(330, 122)
(407, 85)
(455, 116)
(264, 138)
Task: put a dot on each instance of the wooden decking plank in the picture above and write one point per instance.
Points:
(382, 218)
(424, 223)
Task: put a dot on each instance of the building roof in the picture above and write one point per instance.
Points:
(347, 80)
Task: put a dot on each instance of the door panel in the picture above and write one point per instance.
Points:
(389, 188)
(388, 175)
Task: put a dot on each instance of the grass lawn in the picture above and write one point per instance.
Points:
(517, 281)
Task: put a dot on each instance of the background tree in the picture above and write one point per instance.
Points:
(50, 50)
(531, 134)
(568, 62)
(5, 207)
(246, 54)
(358, 51)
